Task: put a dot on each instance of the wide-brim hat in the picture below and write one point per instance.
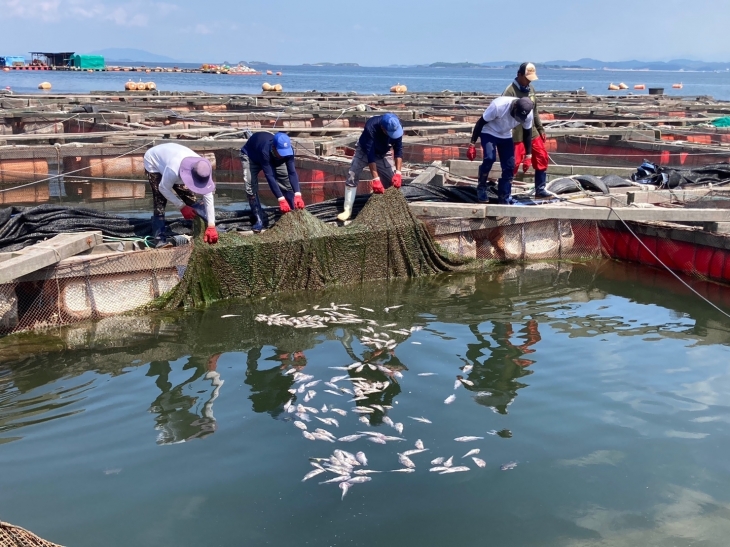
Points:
(197, 175)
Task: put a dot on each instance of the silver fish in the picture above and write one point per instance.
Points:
(362, 458)
(308, 435)
(449, 462)
(364, 419)
(333, 392)
(406, 470)
(480, 462)
(311, 410)
(472, 452)
(321, 437)
(312, 384)
(426, 373)
(398, 427)
(419, 444)
(354, 365)
(416, 451)
(378, 407)
(467, 439)
(341, 478)
(303, 416)
(359, 480)
(339, 368)
(377, 440)
(346, 390)
(344, 486)
(387, 438)
(458, 469)
(288, 405)
(290, 371)
(301, 425)
(437, 461)
(388, 421)
(389, 325)
(366, 471)
(438, 469)
(338, 411)
(300, 312)
(292, 391)
(323, 409)
(367, 309)
(312, 473)
(393, 308)
(466, 382)
(467, 368)
(328, 421)
(350, 438)
(457, 383)
(363, 410)
(450, 399)
(291, 410)
(405, 461)
(508, 466)
(492, 432)
(309, 396)
(301, 389)
(324, 432)
(336, 379)
(229, 315)
(422, 420)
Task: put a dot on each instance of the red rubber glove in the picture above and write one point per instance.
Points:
(378, 187)
(397, 179)
(298, 201)
(188, 212)
(211, 235)
(284, 205)
(471, 153)
(526, 163)
(543, 136)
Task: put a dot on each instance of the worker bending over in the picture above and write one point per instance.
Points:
(521, 88)
(180, 176)
(373, 150)
(495, 128)
(274, 155)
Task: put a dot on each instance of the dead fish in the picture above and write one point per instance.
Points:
(437, 461)
(364, 419)
(466, 382)
(362, 458)
(449, 462)
(328, 421)
(311, 410)
(406, 470)
(321, 437)
(467, 439)
(363, 410)
(300, 425)
(472, 452)
(466, 369)
(338, 411)
(350, 438)
(345, 487)
(359, 480)
(388, 421)
(303, 416)
(312, 384)
(346, 390)
(288, 405)
(438, 469)
(492, 432)
(312, 473)
(366, 471)
(422, 420)
(229, 315)
(480, 462)
(450, 399)
(398, 427)
(427, 374)
(416, 343)
(405, 461)
(290, 371)
(291, 410)
(333, 392)
(292, 391)
(341, 478)
(419, 444)
(377, 440)
(378, 407)
(459, 469)
(416, 451)
(386, 310)
(309, 436)
(323, 409)
(367, 309)
(301, 389)
(508, 466)
(336, 379)
(457, 383)
(389, 325)
(339, 368)
(388, 438)
(354, 365)
(309, 396)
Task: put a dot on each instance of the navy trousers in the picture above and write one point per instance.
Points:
(506, 148)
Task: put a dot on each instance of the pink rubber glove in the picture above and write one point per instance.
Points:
(397, 179)
(378, 187)
(211, 235)
(188, 212)
(284, 205)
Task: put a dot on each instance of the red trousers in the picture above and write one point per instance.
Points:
(539, 155)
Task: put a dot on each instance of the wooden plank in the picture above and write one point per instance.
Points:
(429, 174)
(466, 168)
(46, 253)
(569, 212)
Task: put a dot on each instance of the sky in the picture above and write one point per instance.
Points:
(374, 32)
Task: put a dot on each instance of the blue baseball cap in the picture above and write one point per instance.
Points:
(283, 146)
(391, 124)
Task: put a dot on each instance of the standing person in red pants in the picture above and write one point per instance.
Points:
(521, 87)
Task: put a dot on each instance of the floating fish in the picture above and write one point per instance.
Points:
(345, 487)
(321, 437)
(449, 462)
(366, 471)
(472, 452)
(458, 469)
(350, 438)
(339, 368)
(437, 461)
(229, 315)
(480, 462)
(362, 458)
(328, 421)
(492, 432)
(367, 309)
(312, 384)
(359, 480)
(450, 399)
(466, 382)
(341, 478)
(466, 369)
(398, 427)
(508, 466)
(363, 410)
(406, 470)
(393, 308)
(288, 405)
(303, 416)
(419, 444)
(438, 469)
(377, 440)
(312, 473)
(388, 421)
(422, 420)
(309, 436)
(336, 379)
(416, 451)
(378, 407)
(405, 461)
(333, 392)
(457, 383)
(300, 425)
(389, 325)
(427, 374)
(467, 439)
(310, 410)
(364, 419)
(338, 411)
(416, 343)
(323, 409)
(309, 396)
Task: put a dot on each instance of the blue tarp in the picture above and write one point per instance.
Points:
(10, 61)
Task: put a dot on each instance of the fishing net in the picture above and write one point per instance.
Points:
(15, 536)
(385, 241)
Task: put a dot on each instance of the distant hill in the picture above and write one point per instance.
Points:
(129, 54)
(676, 64)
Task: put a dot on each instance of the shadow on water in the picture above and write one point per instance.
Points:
(503, 312)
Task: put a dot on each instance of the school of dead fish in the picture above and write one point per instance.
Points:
(345, 468)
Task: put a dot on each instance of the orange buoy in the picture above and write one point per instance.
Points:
(677, 86)
(44, 85)
(266, 86)
(622, 86)
(150, 86)
(613, 87)
(269, 72)
(278, 73)
(278, 88)
(639, 86)
(130, 86)
(398, 88)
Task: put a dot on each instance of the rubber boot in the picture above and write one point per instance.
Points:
(350, 193)
(257, 214)
(504, 191)
(158, 230)
(482, 195)
(540, 181)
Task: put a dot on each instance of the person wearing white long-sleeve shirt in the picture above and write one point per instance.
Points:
(182, 177)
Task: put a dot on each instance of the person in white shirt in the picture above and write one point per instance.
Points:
(180, 176)
(495, 129)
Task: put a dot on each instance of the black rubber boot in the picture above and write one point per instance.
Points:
(540, 182)
(257, 214)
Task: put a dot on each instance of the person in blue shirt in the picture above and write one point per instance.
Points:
(274, 155)
(373, 150)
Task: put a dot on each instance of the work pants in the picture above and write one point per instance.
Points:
(159, 201)
(540, 157)
(384, 164)
(506, 148)
(251, 171)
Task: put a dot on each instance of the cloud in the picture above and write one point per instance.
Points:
(131, 14)
(202, 29)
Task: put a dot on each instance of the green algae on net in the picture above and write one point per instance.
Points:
(300, 252)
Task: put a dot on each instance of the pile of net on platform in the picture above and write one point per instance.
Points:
(301, 252)
(23, 226)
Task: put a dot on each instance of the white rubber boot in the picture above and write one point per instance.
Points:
(350, 193)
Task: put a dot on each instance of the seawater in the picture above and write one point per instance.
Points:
(608, 385)
(376, 80)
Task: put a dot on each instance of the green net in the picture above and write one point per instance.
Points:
(722, 122)
(385, 241)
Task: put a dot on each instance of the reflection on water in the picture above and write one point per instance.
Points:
(606, 382)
